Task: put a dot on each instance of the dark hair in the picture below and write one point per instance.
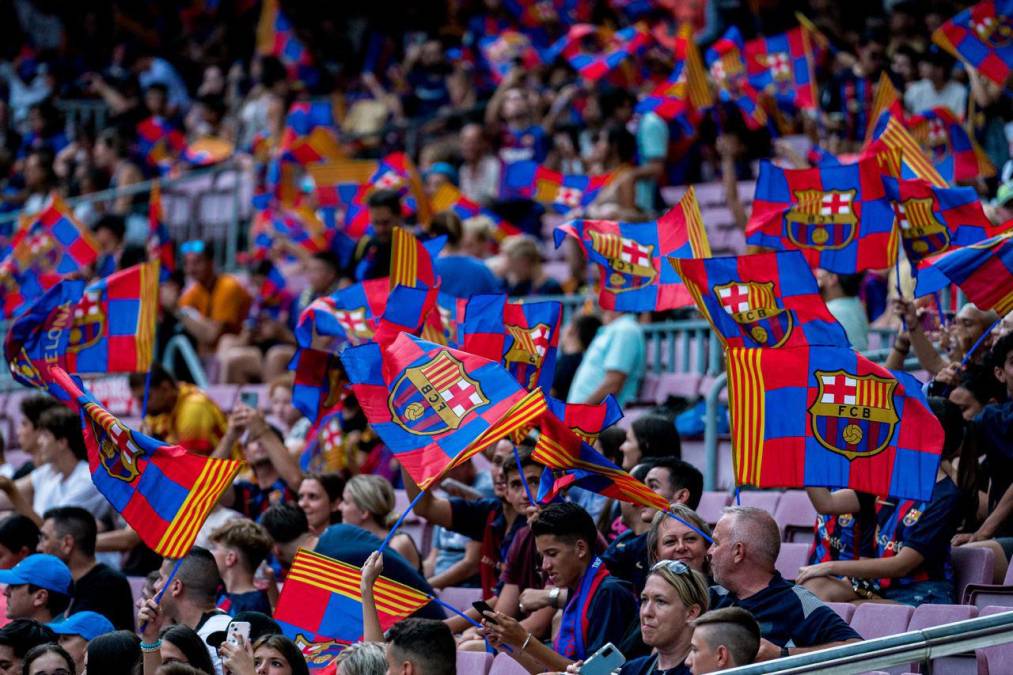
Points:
(56, 603)
(333, 484)
(23, 634)
(850, 284)
(288, 649)
(447, 223)
(736, 629)
(65, 425)
(624, 143)
(33, 406)
(656, 436)
(112, 222)
(427, 643)
(952, 421)
(328, 258)
(614, 98)
(114, 139)
(18, 532)
(158, 376)
(682, 476)
(199, 575)
(116, 653)
(524, 454)
(587, 326)
(78, 523)
(41, 650)
(272, 71)
(1000, 350)
(157, 86)
(566, 521)
(611, 439)
(980, 381)
(285, 523)
(178, 668)
(186, 640)
(384, 198)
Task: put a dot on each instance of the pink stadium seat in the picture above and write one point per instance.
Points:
(460, 597)
(873, 619)
(792, 557)
(136, 586)
(795, 516)
(474, 663)
(504, 664)
(971, 565)
(994, 660)
(845, 610)
(711, 505)
(761, 499)
(224, 395)
(926, 616)
(682, 385)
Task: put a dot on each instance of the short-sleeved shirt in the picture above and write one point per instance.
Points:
(626, 558)
(530, 143)
(227, 302)
(195, 422)
(106, 591)
(252, 500)
(251, 601)
(483, 520)
(613, 612)
(850, 313)
(50, 490)
(652, 145)
(617, 346)
(520, 567)
(927, 527)
(994, 428)
(648, 665)
(463, 276)
(789, 615)
(841, 537)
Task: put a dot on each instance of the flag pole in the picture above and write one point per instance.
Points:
(708, 538)
(524, 481)
(168, 580)
(977, 343)
(450, 608)
(400, 520)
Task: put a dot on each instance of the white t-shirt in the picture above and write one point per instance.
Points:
(53, 490)
(922, 96)
(213, 624)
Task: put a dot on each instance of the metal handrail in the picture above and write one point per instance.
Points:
(893, 650)
(179, 343)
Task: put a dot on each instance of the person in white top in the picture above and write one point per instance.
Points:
(480, 171)
(64, 478)
(937, 89)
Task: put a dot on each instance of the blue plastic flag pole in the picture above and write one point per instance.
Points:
(168, 580)
(703, 534)
(400, 520)
(147, 392)
(524, 481)
(974, 347)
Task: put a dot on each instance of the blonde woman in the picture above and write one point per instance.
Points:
(368, 502)
(670, 539)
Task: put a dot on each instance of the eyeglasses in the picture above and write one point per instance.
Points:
(674, 566)
(192, 246)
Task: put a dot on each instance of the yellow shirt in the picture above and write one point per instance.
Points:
(228, 303)
(196, 422)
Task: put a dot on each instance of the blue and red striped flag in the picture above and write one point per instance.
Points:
(450, 315)
(838, 216)
(436, 407)
(273, 299)
(783, 65)
(829, 417)
(980, 36)
(984, 271)
(897, 153)
(52, 240)
(616, 47)
(276, 37)
(325, 443)
(160, 245)
(162, 491)
(448, 198)
(311, 134)
(299, 226)
(207, 151)
(560, 192)
(503, 50)
(522, 336)
(727, 65)
(763, 300)
(411, 260)
(396, 172)
(947, 143)
(159, 142)
(686, 93)
(634, 275)
(320, 382)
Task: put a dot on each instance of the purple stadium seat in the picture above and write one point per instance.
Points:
(136, 586)
(224, 395)
(504, 664)
(845, 610)
(648, 388)
(460, 597)
(761, 499)
(873, 619)
(926, 616)
(971, 565)
(711, 505)
(983, 595)
(792, 557)
(474, 663)
(684, 385)
(994, 660)
(795, 516)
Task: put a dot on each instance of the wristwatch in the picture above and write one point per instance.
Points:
(554, 597)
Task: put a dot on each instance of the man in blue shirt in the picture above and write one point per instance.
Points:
(614, 362)
(461, 275)
(792, 620)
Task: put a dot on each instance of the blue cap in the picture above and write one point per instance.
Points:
(87, 624)
(443, 169)
(42, 570)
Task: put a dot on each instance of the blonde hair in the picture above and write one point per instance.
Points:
(372, 494)
(685, 513)
(521, 246)
(362, 658)
(690, 586)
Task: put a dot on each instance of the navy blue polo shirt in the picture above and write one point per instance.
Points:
(613, 612)
(789, 615)
(470, 517)
(626, 558)
(648, 665)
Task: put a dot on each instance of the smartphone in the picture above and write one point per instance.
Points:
(603, 661)
(237, 628)
(482, 607)
(250, 399)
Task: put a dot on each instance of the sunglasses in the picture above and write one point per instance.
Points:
(674, 566)
(192, 246)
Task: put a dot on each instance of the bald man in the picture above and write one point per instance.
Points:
(793, 620)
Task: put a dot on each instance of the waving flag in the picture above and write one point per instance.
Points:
(450, 325)
(272, 299)
(338, 183)
(107, 327)
(944, 138)
(299, 226)
(52, 241)
(931, 220)
(311, 133)
(207, 151)
(276, 37)
(325, 444)
(162, 491)
(616, 48)
(394, 172)
(562, 193)
(783, 65)
(320, 382)
(764, 300)
(728, 68)
(159, 142)
(411, 260)
(20, 288)
(633, 273)
(838, 216)
(984, 271)
(160, 246)
(887, 99)
(898, 153)
(980, 36)
(320, 606)
(448, 198)
(686, 93)
(436, 407)
(504, 50)
(522, 336)
(829, 417)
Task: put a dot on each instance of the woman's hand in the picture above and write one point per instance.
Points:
(813, 571)
(238, 658)
(371, 570)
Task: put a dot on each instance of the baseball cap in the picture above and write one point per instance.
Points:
(42, 570)
(260, 624)
(87, 624)
(443, 169)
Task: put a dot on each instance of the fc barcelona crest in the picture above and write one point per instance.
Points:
(923, 234)
(354, 323)
(118, 453)
(753, 305)
(779, 65)
(822, 220)
(88, 323)
(319, 654)
(993, 31)
(527, 352)
(853, 415)
(630, 263)
(435, 397)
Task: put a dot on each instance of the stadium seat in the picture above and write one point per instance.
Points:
(460, 597)
(401, 503)
(504, 664)
(681, 385)
(926, 616)
(474, 663)
(994, 660)
(761, 499)
(971, 565)
(845, 610)
(136, 586)
(983, 595)
(792, 557)
(873, 619)
(711, 505)
(795, 516)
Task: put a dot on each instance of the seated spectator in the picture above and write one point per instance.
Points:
(77, 630)
(295, 425)
(64, 477)
(239, 547)
(362, 658)
(522, 273)
(48, 659)
(31, 408)
(461, 275)
(648, 437)
(69, 533)
(214, 304)
(480, 169)
(371, 259)
(510, 113)
(116, 653)
(276, 474)
(565, 537)
(270, 653)
(840, 292)
(19, 538)
(109, 232)
(37, 588)
(723, 638)
(320, 497)
(671, 539)
(673, 596)
(573, 343)
(18, 638)
(178, 412)
(179, 644)
(613, 364)
(976, 388)
(368, 502)
(746, 544)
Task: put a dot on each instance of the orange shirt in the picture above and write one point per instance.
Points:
(228, 303)
(196, 422)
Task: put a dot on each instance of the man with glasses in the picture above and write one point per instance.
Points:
(214, 304)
